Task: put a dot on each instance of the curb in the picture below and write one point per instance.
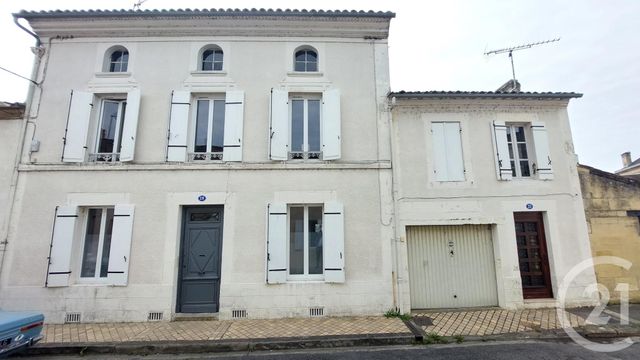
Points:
(217, 346)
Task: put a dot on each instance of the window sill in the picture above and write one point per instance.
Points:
(208, 73)
(113, 74)
(305, 73)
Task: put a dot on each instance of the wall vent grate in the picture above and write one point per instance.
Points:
(71, 318)
(238, 314)
(154, 316)
(316, 311)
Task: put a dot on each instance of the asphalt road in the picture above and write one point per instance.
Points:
(490, 351)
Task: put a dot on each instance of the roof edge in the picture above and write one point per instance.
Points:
(27, 14)
(611, 176)
(483, 94)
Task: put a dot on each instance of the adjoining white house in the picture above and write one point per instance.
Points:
(488, 203)
(238, 163)
(215, 161)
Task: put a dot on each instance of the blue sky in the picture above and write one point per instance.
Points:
(439, 45)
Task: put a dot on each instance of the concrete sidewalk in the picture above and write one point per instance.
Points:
(301, 333)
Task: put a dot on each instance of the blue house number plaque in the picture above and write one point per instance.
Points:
(529, 206)
(202, 198)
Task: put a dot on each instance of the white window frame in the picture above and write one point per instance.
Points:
(97, 156)
(306, 276)
(201, 61)
(528, 137)
(192, 131)
(306, 48)
(305, 128)
(96, 279)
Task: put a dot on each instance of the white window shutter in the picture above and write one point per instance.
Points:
(277, 244)
(453, 146)
(501, 150)
(279, 128)
(233, 125)
(59, 269)
(439, 151)
(75, 137)
(178, 126)
(130, 126)
(541, 145)
(331, 149)
(118, 270)
(333, 242)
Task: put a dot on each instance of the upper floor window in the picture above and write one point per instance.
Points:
(305, 127)
(117, 59)
(517, 140)
(306, 60)
(208, 138)
(212, 59)
(110, 126)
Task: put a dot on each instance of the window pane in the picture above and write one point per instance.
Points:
(119, 145)
(218, 126)
(524, 168)
(508, 134)
(207, 66)
(296, 240)
(106, 245)
(108, 126)
(202, 124)
(520, 133)
(510, 151)
(312, 57)
(91, 240)
(217, 66)
(297, 125)
(207, 56)
(124, 62)
(312, 66)
(315, 240)
(300, 56)
(299, 66)
(513, 168)
(314, 125)
(522, 151)
(218, 56)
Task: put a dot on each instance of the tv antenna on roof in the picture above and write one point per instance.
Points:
(510, 50)
(136, 5)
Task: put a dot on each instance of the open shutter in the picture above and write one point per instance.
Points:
(541, 144)
(331, 149)
(277, 244)
(178, 126)
(333, 242)
(130, 126)
(118, 271)
(59, 269)
(233, 118)
(501, 150)
(75, 135)
(279, 128)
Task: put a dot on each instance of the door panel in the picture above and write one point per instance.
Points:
(532, 255)
(451, 266)
(200, 260)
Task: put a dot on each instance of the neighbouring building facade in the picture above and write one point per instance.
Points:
(612, 208)
(239, 162)
(630, 168)
(488, 204)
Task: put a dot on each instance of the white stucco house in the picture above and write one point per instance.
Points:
(253, 163)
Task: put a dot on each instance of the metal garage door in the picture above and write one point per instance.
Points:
(451, 266)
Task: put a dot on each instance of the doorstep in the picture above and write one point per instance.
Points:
(195, 316)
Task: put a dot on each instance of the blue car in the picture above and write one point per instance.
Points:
(19, 330)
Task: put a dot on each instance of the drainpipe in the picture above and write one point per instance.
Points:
(39, 52)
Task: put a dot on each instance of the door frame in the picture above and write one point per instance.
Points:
(547, 291)
(183, 228)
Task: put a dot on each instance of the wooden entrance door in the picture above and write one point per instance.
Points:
(532, 255)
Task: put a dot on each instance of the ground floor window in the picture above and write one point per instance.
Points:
(97, 243)
(305, 242)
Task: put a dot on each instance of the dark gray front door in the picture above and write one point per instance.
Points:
(200, 257)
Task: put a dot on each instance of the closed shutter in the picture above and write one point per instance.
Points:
(59, 269)
(279, 128)
(501, 150)
(333, 242)
(331, 145)
(118, 271)
(75, 135)
(541, 144)
(277, 244)
(178, 126)
(233, 118)
(130, 126)
(447, 151)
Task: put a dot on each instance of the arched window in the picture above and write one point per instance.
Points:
(117, 59)
(212, 59)
(306, 59)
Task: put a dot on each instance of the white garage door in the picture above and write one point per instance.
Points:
(451, 266)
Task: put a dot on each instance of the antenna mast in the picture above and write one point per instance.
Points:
(510, 50)
(137, 4)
